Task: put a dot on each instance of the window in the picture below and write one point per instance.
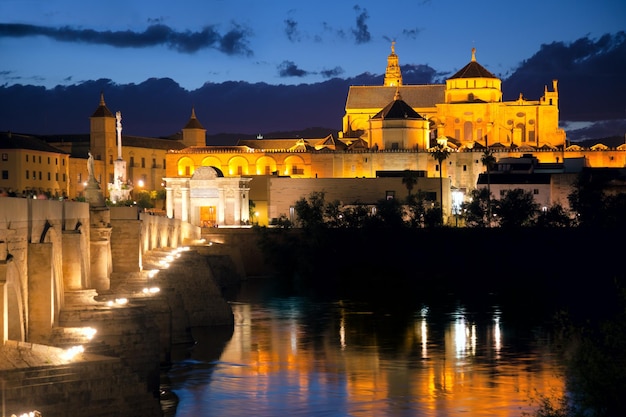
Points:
(390, 195)
(39, 175)
(27, 172)
(154, 165)
(143, 162)
(535, 191)
(5, 156)
(110, 159)
(111, 178)
(464, 167)
(132, 161)
(79, 177)
(56, 176)
(40, 159)
(48, 160)
(56, 161)
(239, 170)
(26, 158)
(5, 174)
(34, 175)
(63, 177)
(163, 163)
(49, 176)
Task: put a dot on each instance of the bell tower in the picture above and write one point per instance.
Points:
(102, 131)
(393, 75)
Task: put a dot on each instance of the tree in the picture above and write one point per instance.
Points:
(554, 216)
(416, 209)
(587, 198)
(409, 180)
(476, 211)
(310, 212)
(389, 214)
(488, 161)
(516, 209)
(440, 153)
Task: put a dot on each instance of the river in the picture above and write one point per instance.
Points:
(297, 356)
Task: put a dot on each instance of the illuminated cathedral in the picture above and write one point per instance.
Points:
(467, 110)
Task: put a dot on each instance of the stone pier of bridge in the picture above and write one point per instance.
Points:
(99, 295)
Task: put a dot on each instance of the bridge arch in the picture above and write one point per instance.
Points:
(12, 313)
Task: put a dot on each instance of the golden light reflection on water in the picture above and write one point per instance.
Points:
(287, 364)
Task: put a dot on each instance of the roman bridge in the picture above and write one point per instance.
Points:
(50, 249)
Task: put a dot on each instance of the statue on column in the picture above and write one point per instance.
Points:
(90, 169)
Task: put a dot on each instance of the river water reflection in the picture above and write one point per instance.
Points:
(291, 356)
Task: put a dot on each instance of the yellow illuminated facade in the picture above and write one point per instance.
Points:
(467, 109)
(32, 167)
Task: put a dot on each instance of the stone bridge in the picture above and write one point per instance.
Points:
(92, 299)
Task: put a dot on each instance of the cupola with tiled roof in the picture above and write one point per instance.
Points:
(398, 126)
(397, 109)
(194, 134)
(473, 84)
(473, 70)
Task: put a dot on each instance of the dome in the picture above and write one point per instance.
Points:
(207, 173)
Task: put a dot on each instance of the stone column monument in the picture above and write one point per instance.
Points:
(119, 189)
(99, 232)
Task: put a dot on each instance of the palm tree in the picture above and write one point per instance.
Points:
(409, 180)
(440, 153)
(488, 161)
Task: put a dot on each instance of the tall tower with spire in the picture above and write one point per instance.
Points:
(102, 131)
(393, 75)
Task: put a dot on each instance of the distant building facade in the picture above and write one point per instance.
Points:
(31, 167)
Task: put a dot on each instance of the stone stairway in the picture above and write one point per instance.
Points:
(40, 377)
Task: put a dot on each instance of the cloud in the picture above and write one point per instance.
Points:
(411, 33)
(330, 73)
(291, 30)
(361, 33)
(586, 69)
(233, 42)
(290, 69)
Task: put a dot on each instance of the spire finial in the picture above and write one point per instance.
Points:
(393, 47)
(473, 54)
(193, 112)
(102, 98)
(397, 96)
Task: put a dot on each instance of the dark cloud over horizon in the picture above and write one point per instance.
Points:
(592, 88)
(233, 42)
(590, 74)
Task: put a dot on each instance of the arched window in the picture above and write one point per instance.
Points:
(185, 167)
